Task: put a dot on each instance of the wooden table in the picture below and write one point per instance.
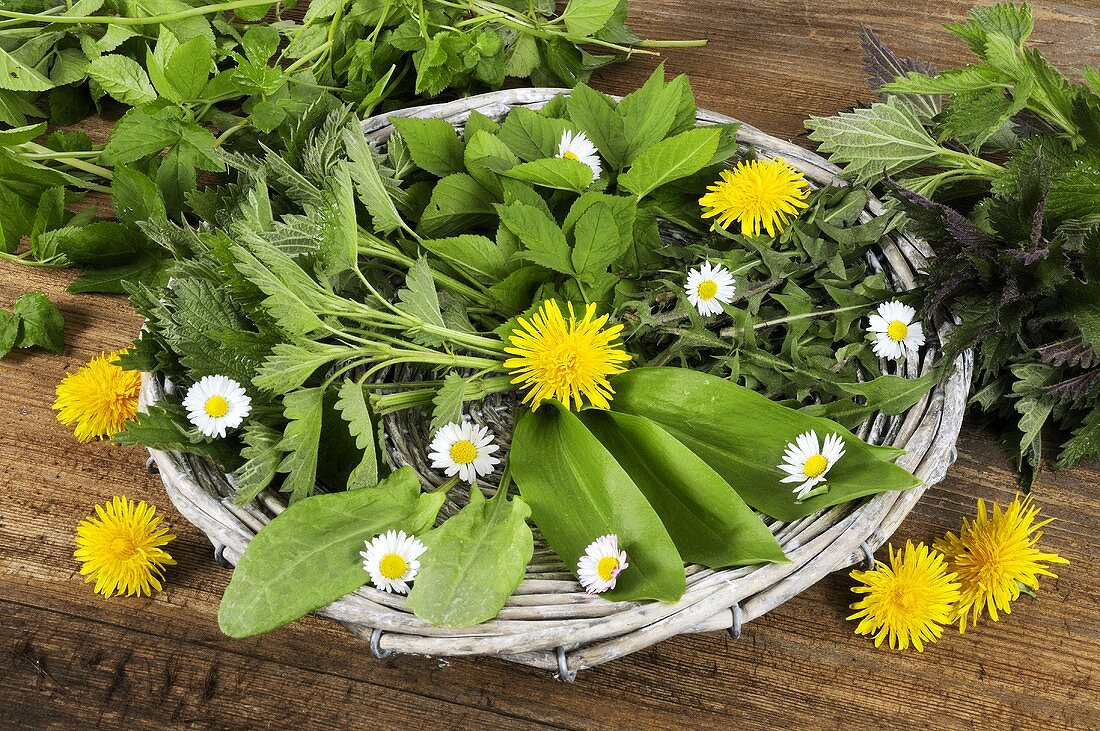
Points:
(70, 660)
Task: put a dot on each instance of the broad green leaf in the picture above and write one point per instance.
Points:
(143, 131)
(304, 410)
(100, 244)
(710, 524)
(523, 57)
(586, 17)
(1075, 190)
(13, 137)
(9, 331)
(308, 556)
(887, 393)
(597, 241)
(671, 159)
(476, 254)
(596, 114)
(293, 298)
(188, 69)
(648, 113)
(14, 109)
(434, 144)
(554, 172)
(368, 183)
(624, 209)
(952, 81)
(474, 561)
(578, 492)
(262, 456)
(744, 437)
(123, 78)
(354, 409)
(16, 76)
(887, 136)
(458, 205)
(544, 242)
(530, 135)
(486, 158)
(135, 197)
(40, 322)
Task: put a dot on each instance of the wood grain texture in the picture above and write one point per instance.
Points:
(69, 659)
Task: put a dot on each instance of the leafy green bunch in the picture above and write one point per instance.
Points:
(339, 282)
(1014, 145)
(198, 78)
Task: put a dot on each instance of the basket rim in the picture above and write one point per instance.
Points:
(548, 622)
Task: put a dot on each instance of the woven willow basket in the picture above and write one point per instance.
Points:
(550, 622)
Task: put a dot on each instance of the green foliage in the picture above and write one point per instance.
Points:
(33, 321)
(1014, 152)
(308, 555)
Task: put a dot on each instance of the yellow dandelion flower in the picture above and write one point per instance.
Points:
(565, 360)
(994, 555)
(121, 548)
(908, 601)
(99, 398)
(762, 194)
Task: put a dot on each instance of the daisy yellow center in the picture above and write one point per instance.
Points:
(606, 567)
(764, 195)
(897, 331)
(707, 289)
(570, 155)
(393, 566)
(99, 398)
(565, 359)
(815, 465)
(216, 407)
(463, 451)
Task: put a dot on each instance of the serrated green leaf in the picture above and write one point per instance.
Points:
(458, 204)
(597, 115)
(304, 410)
(262, 456)
(671, 159)
(368, 183)
(448, 401)
(543, 241)
(434, 144)
(554, 172)
(587, 17)
(419, 297)
(289, 365)
(355, 410)
(17, 76)
(123, 78)
(40, 322)
(478, 255)
(597, 243)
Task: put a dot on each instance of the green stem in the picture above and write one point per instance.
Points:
(22, 259)
(124, 20)
(87, 167)
(804, 316)
(696, 43)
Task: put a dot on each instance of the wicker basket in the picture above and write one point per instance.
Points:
(550, 622)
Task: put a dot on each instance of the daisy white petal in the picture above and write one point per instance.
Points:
(393, 559)
(577, 146)
(463, 449)
(807, 461)
(709, 287)
(215, 404)
(601, 564)
(895, 333)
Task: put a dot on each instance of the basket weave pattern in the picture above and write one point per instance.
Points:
(550, 622)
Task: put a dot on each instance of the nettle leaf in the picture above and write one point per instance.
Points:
(586, 17)
(474, 561)
(160, 427)
(883, 66)
(671, 159)
(369, 185)
(262, 456)
(289, 365)
(123, 78)
(887, 136)
(1075, 190)
(293, 297)
(40, 322)
(433, 143)
(304, 410)
(554, 172)
(308, 556)
(419, 297)
(355, 410)
(973, 117)
(9, 331)
(544, 242)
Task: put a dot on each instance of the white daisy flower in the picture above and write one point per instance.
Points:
(807, 462)
(601, 564)
(709, 287)
(217, 403)
(392, 559)
(577, 146)
(894, 330)
(464, 450)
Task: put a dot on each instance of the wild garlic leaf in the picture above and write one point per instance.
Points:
(543, 241)
(355, 410)
(262, 457)
(368, 183)
(886, 136)
(304, 410)
(474, 561)
(308, 556)
(433, 143)
(671, 159)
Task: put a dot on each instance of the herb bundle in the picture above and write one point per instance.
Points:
(466, 257)
(1013, 146)
(203, 77)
